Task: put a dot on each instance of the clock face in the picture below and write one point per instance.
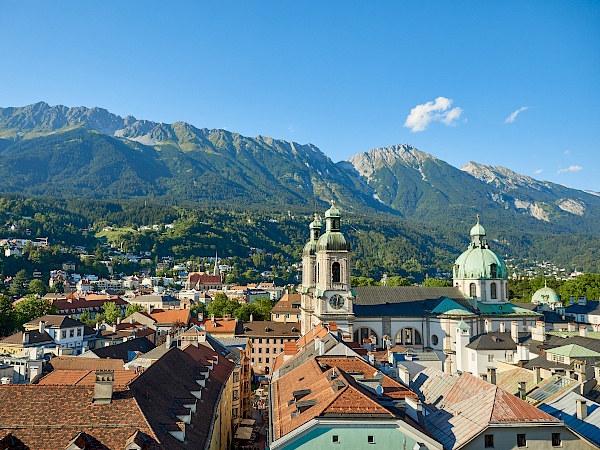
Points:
(336, 301)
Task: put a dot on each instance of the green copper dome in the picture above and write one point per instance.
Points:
(332, 241)
(478, 261)
(545, 295)
(309, 249)
(332, 212)
(316, 226)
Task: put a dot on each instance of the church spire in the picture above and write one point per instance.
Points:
(216, 271)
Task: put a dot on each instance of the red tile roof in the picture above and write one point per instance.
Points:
(78, 363)
(171, 316)
(219, 325)
(86, 377)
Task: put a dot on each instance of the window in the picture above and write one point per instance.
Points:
(267, 360)
(335, 272)
(494, 290)
(408, 336)
(236, 377)
(72, 332)
(490, 358)
(434, 339)
(236, 395)
(260, 360)
(335, 439)
(79, 331)
(235, 413)
(489, 441)
(473, 290)
(277, 316)
(63, 334)
(371, 439)
(521, 441)
(260, 340)
(267, 350)
(281, 341)
(556, 442)
(252, 360)
(493, 271)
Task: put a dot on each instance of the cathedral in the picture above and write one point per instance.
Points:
(422, 318)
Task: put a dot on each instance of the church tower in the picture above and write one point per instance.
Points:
(330, 298)
(309, 273)
(479, 272)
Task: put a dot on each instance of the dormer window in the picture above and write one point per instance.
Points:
(493, 271)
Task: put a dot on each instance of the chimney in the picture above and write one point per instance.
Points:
(131, 319)
(42, 327)
(414, 408)
(491, 372)
(581, 409)
(514, 331)
(488, 325)
(538, 333)
(404, 375)
(119, 320)
(169, 340)
(502, 327)
(571, 326)
(103, 388)
(522, 390)
(583, 331)
(251, 317)
(537, 375)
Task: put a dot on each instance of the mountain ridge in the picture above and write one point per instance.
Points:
(57, 150)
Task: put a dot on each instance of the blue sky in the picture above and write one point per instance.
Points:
(346, 76)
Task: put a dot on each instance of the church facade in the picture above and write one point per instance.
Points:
(422, 318)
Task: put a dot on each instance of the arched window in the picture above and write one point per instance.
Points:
(365, 333)
(408, 336)
(335, 272)
(434, 339)
(493, 271)
(494, 290)
(473, 290)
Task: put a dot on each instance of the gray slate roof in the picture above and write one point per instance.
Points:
(378, 295)
(492, 341)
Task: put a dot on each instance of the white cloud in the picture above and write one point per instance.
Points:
(513, 116)
(538, 171)
(439, 110)
(567, 152)
(570, 169)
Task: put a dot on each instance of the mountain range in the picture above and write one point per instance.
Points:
(90, 152)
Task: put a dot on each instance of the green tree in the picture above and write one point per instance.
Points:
(111, 312)
(7, 316)
(86, 318)
(397, 281)
(31, 308)
(362, 281)
(222, 305)
(19, 284)
(436, 282)
(264, 306)
(133, 308)
(197, 309)
(37, 287)
(58, 287)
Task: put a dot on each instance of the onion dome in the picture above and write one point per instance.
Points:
(316, 227)
(332, 239)
(478, 261)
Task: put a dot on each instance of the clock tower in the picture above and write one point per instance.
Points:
(329, 298)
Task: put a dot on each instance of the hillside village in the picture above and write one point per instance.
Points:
(329, 364)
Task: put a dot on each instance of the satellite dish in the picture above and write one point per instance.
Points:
(379, 389)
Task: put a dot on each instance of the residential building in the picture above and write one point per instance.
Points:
(268, 339)
(287, 309)
(151, 302)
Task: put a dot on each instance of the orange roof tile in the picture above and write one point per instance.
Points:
(171, 316)
(219, 325)
(85, 377)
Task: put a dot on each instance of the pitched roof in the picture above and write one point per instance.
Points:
(492, 341)
(79, 363)
(285, 304)
(170, 316)
(55, 415)
(378, 295)
(510, 379)
(462, 407)
(35, 337)
(448, 307)
(85, 377)
(573, 351)
(220, 325)
(54, 320)
(268, 328)
(309, 391)
(505, 310)
(123, 351)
